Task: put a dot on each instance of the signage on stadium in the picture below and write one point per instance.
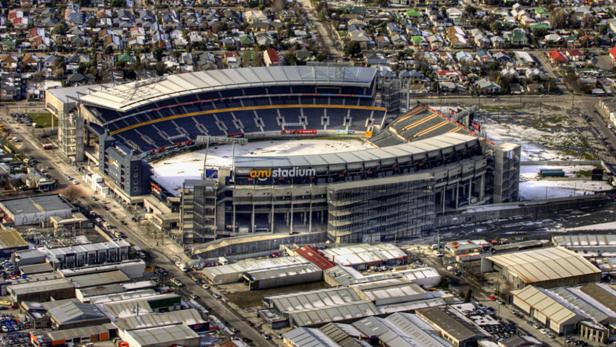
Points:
(265, 174)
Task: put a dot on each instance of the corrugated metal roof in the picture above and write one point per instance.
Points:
(343, 312)
(165, 335)
(188, 317)
(309, 337)
(11, 239)
(285, 271)
(545, 264)
(130, 95)
(363, 254)
(548, 305)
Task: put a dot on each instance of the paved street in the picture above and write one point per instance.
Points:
(163, 254)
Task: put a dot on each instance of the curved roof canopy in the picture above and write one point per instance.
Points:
(128, 96)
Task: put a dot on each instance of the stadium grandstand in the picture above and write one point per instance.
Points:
(366, 174)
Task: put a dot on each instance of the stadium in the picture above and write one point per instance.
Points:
(285, 149)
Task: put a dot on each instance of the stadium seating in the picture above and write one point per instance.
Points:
(180, 116)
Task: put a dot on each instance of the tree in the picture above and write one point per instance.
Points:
(352, 48)
(92, 22)
(118, 3)
(558, 18)
(59, 29)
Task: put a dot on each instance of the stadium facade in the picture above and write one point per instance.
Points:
(424, 163)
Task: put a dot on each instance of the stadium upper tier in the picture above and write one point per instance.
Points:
(146, 116)
(127, 97)
(421, 122)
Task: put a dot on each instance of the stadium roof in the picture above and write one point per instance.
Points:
(130, 95)
(309, 337)
(431, 145)
(555, 310)
(12, 239)
(545, 264)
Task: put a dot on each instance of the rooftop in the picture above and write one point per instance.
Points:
(72, 312)
(545, 264)
(363, 253)
(188, 317)
(454, 325)
(285, 271)
(35, 204)
(163, 336)
(40, 286)
(406, 150)
(130, 95)
(309, 337)
(548, 305)
(11, 239)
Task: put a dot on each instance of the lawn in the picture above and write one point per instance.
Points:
(43, 119)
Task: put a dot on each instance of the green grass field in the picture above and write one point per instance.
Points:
(43, 119)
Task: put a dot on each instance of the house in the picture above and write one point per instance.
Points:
(232, 59)
(613, 54)
(485, 86)
(358, 35)
(557, 57)
(271, 57)
(517, 37)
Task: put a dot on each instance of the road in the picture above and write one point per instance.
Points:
(324, 31)
(162, 255)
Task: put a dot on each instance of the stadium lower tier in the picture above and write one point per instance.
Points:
(148, 135)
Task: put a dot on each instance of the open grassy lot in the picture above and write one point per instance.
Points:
(43, 119)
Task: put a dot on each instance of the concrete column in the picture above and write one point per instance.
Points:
(482, 185)
(470, 190)
(457, 195)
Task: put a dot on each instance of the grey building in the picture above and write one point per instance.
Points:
(75, 314)
(35, 210)
(506, 172)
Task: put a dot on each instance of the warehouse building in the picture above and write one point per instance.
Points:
(587, 244)
(362, 256)
(302, 337)
(85, 294)
(99, 279)
(321, 306)
(88, 254)
(400, 330)
(40, 291)
(11, 241)
(344, 335)
(426, 277)
(35, 269)
(547, 267)
(34, 210)
(548, 309)
(76, 336)
(283, 276)
(231, 273)
(179, 335)
(454, 328)
(142, 305)
(76, 315)
(190, 318)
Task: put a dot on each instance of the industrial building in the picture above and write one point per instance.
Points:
(190, 317)
(76, 315)
(34, 210)
(85, 294)
(344, 304)
(547, 267)
(426, 277)
(401, 330)
(11, 241)
(283, 276)
(234, 272)
(88, 254)
(587, 244)
(92, 333)
(99, 279)
(363, 256)
(163, 336)
(543, 307)
(301, 337)
(454, 328)
(40, 291)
